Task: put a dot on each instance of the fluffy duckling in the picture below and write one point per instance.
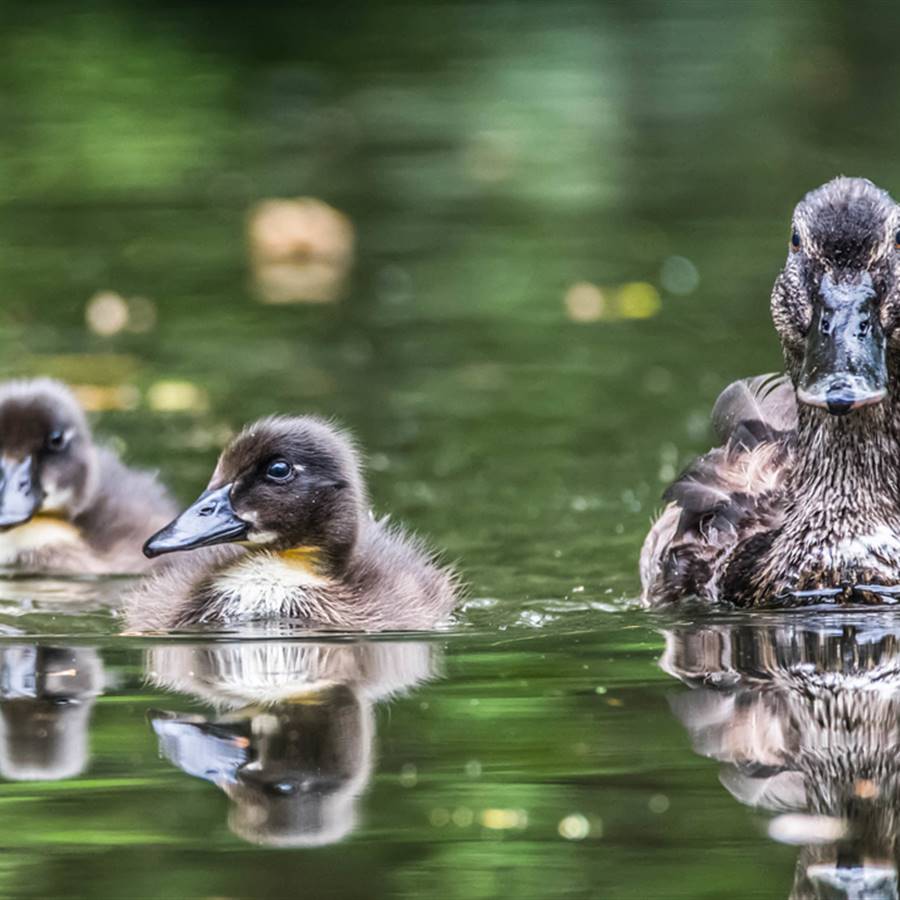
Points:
(67, 505)
(291, 492)
(802, 503)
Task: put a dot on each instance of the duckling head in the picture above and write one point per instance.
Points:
(836, 303)
(284, 484)
(48, 462)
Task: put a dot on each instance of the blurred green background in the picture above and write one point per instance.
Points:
(550, 235)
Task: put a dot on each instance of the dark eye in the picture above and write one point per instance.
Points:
(279, 470)
(795, 241)
(897, 239)
(57, 440)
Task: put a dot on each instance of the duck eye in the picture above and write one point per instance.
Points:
(279, 470)
(795, 241)
(57, 440)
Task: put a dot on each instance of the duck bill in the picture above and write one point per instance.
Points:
(844, 366)
(210, 520)
(20, 494)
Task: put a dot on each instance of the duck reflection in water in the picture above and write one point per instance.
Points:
(46, 698)
(291, 739)
(805, 717)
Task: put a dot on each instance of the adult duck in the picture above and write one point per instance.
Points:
(800, 503)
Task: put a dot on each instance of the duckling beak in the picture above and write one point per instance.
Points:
(210, 520)
(844, 365)
(20, 494)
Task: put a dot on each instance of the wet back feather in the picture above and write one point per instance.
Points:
(727, 495)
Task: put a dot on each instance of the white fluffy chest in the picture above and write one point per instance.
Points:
(265, 585)
(38, 534)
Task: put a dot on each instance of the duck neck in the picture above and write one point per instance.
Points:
(326, 554)
(848, 467)
(842, 523)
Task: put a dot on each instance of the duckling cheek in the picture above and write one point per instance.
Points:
(56, 499)
(256, 535)
(261, 537)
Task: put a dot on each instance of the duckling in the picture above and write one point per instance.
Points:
(66, 504)
(291, 741)
(801, 504)
(290, 490)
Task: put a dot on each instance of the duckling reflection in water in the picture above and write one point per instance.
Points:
(802, 502)
(292, 741)
(67, 505)
(46, 698)
(291, 492)
(805, 717)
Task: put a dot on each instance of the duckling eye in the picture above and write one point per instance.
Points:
(279, 470)
(795, 241)
(57, 440)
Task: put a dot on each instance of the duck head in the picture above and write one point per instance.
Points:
(282, 484)
(836, 303)
(47, 459)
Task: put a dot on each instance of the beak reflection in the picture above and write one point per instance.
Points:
(844, 365)
(210, 520)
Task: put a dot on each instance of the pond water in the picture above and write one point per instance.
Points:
(567, 221)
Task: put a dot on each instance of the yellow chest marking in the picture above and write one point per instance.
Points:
(304, 558)
(40, 532)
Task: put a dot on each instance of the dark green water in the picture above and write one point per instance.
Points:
(490, 157)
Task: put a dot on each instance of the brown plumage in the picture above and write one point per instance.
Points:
(67, 505)
(801, 503)
(290, 490)
(733, 494)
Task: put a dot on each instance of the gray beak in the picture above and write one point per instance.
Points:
(20, 494)
(844, 364)
(210, 520)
